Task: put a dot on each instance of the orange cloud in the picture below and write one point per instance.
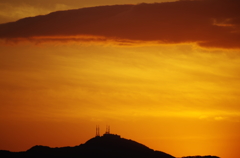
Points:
(209, 23)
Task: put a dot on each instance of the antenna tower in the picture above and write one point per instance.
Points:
(108, 130)
(97, 131)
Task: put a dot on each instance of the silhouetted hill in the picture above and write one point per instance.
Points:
(208, 156)
(107, 146)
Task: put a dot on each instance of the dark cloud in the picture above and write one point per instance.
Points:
(209, 23)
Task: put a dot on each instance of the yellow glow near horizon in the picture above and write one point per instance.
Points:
(187, 98)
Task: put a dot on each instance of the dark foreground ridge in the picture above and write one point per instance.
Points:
(106, 146)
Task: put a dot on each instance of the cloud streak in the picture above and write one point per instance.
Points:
(209, 23)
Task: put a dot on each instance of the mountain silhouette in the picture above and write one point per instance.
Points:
(107, 146)
(208, 156)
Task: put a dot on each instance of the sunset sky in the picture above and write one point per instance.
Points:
(163, 73)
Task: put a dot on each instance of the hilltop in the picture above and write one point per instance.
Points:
(108, 146)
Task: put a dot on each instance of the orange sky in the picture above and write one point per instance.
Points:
(177, 92)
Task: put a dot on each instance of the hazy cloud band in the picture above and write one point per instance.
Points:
(209, 23)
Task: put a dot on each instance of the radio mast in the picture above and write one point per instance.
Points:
(97, 131)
